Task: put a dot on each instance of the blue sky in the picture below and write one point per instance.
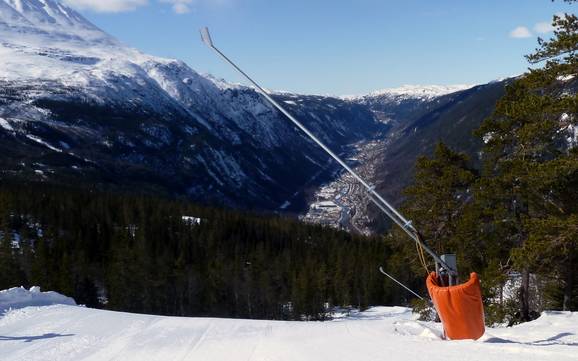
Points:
(336, 47)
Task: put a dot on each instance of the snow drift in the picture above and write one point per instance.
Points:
(20, 297)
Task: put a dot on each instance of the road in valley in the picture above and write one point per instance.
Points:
(343, 203)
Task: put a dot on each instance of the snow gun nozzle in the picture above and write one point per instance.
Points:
(206, 37)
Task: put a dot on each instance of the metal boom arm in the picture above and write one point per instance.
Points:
(375, 197)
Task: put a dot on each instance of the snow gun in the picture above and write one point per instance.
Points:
(459, 305)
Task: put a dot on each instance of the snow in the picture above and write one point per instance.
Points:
(488, 137)
(4, 124)
(191, 220)
(44, 39)
(570, 129)
(67, 332)
(565, 78)
(19, 297)
(50, 51)
(425, 92)
(429, 91)
(325, 204)
(40, 141)
(571, 135)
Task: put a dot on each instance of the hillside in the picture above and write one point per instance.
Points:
(158, 256)
(451, 118)
(79, 107)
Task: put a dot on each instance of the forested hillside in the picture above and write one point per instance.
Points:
(514, 218)
(139, 254)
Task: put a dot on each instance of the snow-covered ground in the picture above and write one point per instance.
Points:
(67, 332)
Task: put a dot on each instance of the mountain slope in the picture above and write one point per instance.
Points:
(418, 117)
(397, 105)
(450, 118)
(77, 106)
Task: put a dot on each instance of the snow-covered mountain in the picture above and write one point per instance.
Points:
(424, 92)
(451, 118)
(43, 39)
(395, 106)
(421, 91)
(79, 107)
(76, 105)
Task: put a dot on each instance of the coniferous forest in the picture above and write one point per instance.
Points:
(138, 254)
(514, 219)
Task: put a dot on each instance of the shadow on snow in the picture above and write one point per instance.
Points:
(32, 338)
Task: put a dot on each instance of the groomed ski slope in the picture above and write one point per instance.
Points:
(67, 332)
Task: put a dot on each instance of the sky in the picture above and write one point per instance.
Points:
(336, 47)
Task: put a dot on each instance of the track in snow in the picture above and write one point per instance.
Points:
(58, 333)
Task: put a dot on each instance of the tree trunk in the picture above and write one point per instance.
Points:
(568, 288)
(524, 296)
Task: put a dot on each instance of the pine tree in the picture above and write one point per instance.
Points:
(530, 171)
(436, 202)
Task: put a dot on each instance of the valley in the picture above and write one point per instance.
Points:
(342, 203)
(96, 113)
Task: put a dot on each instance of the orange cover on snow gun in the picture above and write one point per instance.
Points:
(460, 307)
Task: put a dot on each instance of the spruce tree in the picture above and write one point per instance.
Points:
(436, 202)
(531, 164)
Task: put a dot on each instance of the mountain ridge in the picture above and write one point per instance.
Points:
(412, 91)
(78, 106)
(82, 107)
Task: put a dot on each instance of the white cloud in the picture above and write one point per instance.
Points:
(543, 27)
(180, 6)
(520, 32)
(111, 6)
